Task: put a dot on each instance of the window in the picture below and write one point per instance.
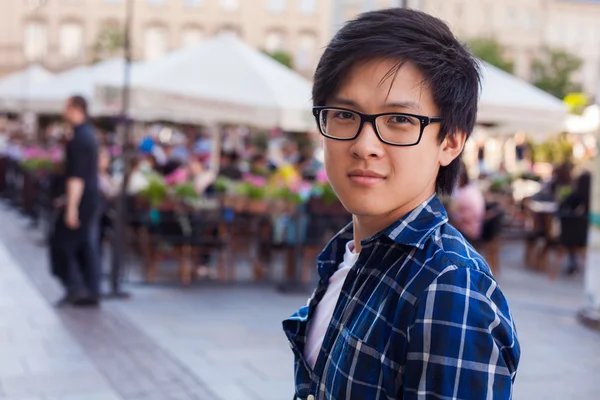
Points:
(275, 41)
(155, 42)
(36, 40)
(511, 17)
(229, 30)
(230, 5)
(276, 6)
(71, 41)
(193, 3)
(305, 54)
(191, 36)
(308, 6)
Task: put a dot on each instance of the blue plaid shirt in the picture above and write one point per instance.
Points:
(420, 316)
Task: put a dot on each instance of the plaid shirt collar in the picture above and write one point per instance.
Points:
(411, 230)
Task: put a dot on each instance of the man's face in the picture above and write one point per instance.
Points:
(408, 174)
(68, 113)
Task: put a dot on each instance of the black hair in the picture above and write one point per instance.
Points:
(450, 70)
(80, 103)
(463, 175)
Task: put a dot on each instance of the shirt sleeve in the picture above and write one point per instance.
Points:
(78, 159)
(463, 342)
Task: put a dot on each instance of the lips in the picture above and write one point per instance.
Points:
(365, 177)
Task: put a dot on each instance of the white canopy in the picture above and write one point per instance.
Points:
(49, 97)
(515, 105)
(220, 80)
(588, 122)
(19, 85)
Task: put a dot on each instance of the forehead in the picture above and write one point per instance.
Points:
(379, 84)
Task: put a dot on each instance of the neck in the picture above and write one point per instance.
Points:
(365, 226)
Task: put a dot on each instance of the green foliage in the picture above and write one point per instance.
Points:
(38, 164)
(553, 72)
(282, 57)
(252, 192)
(288, 195)
(109, 43)
(325, 192)
(492, 52)
(555, 151)
(185, 192)
(156, 191)
(223, 185)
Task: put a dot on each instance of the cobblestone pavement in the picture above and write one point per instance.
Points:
(225, 342)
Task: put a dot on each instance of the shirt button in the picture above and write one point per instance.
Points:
(311, 397)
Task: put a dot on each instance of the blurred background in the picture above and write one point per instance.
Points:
(216, 202)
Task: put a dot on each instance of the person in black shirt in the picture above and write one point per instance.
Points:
(78, 226)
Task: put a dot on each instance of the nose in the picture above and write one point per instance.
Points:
(367, 145)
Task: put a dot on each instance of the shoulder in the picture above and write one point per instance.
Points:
(445, 251)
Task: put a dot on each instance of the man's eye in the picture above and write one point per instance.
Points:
(400, 119)
(344, 115)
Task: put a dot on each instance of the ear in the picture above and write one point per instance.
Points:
(451, 147)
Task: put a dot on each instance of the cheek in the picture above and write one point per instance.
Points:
(413, 165)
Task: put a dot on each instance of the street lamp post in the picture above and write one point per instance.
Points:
(118, 245)
(590, 315)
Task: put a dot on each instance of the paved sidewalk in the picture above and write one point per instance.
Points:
(225, 342)
(39, 359)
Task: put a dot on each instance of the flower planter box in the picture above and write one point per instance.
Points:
(257, 206)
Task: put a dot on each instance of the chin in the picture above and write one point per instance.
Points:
(363, 208)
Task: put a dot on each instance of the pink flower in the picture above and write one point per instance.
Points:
(56, 154)
(178, 176)
(255, 180)
(33, 152)
(322, 176)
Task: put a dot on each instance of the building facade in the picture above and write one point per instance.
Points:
(523, 27)
(60, 34)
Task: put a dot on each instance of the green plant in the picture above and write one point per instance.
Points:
(554, 70)
(282, 57)
(288, 195)
(223, 185)
(326, 193)
(252, 192)
(38, 164)
(156, 191)
(185, 192)
(492, 52)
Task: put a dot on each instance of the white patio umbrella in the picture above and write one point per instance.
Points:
(49, 97)
(221, 80)
(511, 105)
(17, 86)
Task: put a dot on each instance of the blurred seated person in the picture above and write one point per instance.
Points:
(577, 203)
(109, 188)
(229, 166)
(467, 207)
(259, 165)
(141, 166)
(201, 176)
(172, 161)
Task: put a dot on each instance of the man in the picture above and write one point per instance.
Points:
(78, 227)
(405, 308)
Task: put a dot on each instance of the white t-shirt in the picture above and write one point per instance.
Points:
(317, 326)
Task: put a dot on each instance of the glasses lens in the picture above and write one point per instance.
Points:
(339, 124)
(399, 128)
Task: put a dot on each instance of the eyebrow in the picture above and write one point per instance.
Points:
(411, 105)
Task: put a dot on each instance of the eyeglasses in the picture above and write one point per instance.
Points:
(395, 129)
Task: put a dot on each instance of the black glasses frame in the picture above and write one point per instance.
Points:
(371, 118)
